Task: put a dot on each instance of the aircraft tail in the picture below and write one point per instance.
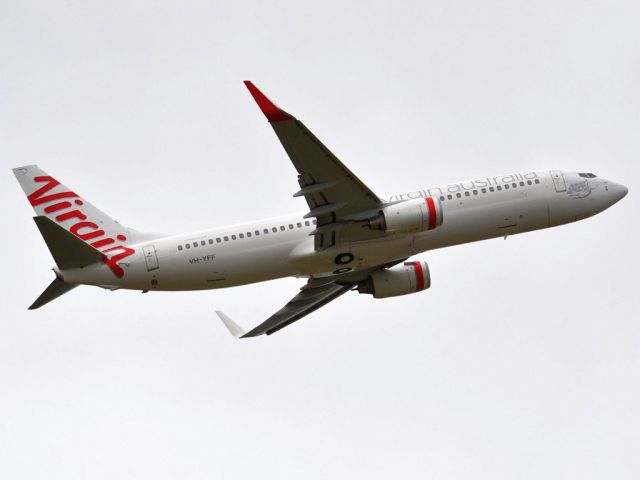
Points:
(53, 200)
(77, 233)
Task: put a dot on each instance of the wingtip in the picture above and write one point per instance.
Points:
(233, 327)
(270, 109)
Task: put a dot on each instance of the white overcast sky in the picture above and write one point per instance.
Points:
(522, 361)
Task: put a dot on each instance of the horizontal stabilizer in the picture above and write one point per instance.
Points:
(67, 250)
(53, 291)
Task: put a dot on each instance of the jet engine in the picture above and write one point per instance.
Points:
(409, 277)
(410, 216)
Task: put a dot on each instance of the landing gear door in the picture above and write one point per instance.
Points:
(558, 180)
(151, 258)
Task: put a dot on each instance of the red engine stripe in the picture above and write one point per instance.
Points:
(432, 213)
(419, 275)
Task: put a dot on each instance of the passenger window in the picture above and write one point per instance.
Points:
(290, 226)
(211, 241)
(306, 223)
(265, 231)
(522, 184)
(449, 197)
(314, 221)
(466, 194)
(537, 181)
(187, 246)
(442, 198)
(218, 240)
(282, 227)
(491, 189)
(514, 184)
(484, 190)
(458, 195)
(241, 235)
(195, 244)
(179, 247)
(274, 229)
(499, 187)
(226, 239)
(257, 232)
(299, 225)
(475, 192)
(248, 234)
(233, 237)
(506, 187)
(528, 182)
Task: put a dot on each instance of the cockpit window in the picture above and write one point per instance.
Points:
(587, 175)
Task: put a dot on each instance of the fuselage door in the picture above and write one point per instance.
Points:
(558, 180)
(150, 257)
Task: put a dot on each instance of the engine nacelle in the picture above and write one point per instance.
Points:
(411, 216)
(409, 277)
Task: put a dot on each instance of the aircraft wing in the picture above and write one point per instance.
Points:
(317, 292)
(305, 302)
(335, 195)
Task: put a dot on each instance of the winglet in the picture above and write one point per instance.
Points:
(232, 326)
(270, 110)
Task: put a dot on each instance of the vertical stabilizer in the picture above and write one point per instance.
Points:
(76, 232)
(55, 201)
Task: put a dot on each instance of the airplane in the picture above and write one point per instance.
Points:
(348, 239)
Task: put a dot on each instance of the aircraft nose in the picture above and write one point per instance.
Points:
(617, 191)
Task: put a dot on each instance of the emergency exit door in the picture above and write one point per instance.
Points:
(150, 257)
(558, 180)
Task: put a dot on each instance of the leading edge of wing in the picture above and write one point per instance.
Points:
(270, 109)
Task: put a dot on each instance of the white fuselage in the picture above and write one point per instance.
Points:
(282, 246)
